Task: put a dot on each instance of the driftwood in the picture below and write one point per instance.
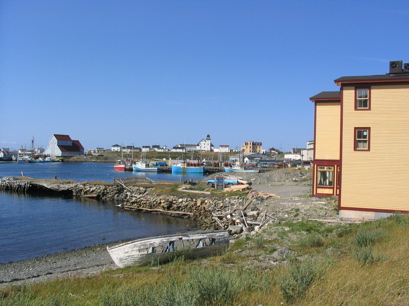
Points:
(89, 196)
(218, 222)
(237, 187)
(244, 219)
(247, 204)
(158, 210)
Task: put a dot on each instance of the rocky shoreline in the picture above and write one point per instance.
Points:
(274, 195)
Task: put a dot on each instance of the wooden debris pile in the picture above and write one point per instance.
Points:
(242, 219)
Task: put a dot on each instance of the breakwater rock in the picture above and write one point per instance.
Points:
(211, 212)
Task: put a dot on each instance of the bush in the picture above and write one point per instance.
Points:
(201, 287)
(296, 281)
(312, 240)
(367, 237)
(400, 219)
(366, 257)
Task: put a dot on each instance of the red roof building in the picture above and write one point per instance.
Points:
(62, 145)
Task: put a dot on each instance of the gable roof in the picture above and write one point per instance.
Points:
(383, 78)
(61, 137)
(327, 96)
(76, 147)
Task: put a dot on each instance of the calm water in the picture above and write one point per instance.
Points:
(33, 226)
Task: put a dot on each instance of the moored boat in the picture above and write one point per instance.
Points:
(238, 169)
(143, 166)
(120, 165)
(159, 249)
(5, 155)
(187, 167)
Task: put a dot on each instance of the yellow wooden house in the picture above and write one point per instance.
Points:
(361, 135)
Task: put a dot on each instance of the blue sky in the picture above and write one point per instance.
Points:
(169, 72)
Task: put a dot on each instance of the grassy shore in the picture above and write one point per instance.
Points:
(360, 264)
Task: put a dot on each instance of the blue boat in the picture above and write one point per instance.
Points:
(188, 168)
(143, 166)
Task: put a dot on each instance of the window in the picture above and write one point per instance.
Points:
(325, 176)
(362, 99)
(361, 139)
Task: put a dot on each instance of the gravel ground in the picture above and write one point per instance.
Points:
(292, 187)
(76, 263)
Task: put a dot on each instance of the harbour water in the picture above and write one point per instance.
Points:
(34, 226)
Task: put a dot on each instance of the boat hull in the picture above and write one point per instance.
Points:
(137, 169)
(181, 169)
(165, 248)
(142, 166)
(239, 170)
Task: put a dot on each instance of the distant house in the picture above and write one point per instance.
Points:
(146, 148)
(252, 147)
(116, 148)
(158, 148)
(292, 156)
(178, 148)
(205, 145)
(63, 146)
(308, 153)
(224, 149)
(184, 147)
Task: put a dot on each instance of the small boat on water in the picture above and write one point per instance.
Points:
(162, 248)
(144, 166)
(238, 169)
(187, 167)
(120, 165)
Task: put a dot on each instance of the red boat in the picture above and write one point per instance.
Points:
(120, 165)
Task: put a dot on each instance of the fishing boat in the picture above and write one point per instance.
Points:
(5, 155)
(143, 166)
(188, 168)
(238, 169)
(163, 248)
(120, 165)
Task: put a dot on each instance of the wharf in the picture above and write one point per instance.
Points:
(168, 169)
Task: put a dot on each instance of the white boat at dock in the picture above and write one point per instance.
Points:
(162, 248)
(240, 169)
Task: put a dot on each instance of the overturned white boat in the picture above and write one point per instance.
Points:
(165, 248)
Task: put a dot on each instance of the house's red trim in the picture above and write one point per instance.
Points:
(356, 98)
(374, 210)
(368, 81)
(326, 100)
(341, 149)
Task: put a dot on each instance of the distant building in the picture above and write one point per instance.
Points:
(116, 148)
(63, 146)
(205, 145)
(252, 147)
(146, 148)
(222, 149)
(292, 156)
(308, 153)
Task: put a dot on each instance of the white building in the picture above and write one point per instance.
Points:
(205, 145)
(292, 156)
(116, 148)
(308, 153)
(63, 145)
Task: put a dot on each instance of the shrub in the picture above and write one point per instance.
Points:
(312, 240)
(366, 257)
(366, 236)
(400, 219)
(296, 281)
